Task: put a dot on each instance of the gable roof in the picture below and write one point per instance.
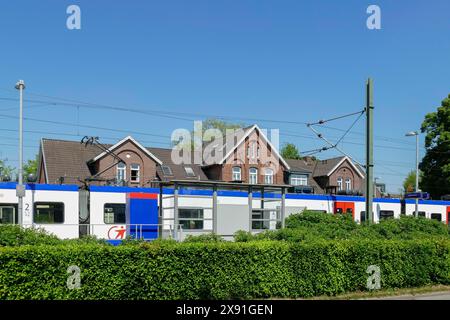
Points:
(118, 144)
(66, 159)
(178, 170)
(248, 131)
(301, 165)
(328, 166)
(69, 159)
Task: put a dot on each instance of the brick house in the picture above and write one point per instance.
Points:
(71, 162)
(336, 176)
(247, 156)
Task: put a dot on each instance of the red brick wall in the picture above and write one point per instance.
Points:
(345, 170)
(131, 154)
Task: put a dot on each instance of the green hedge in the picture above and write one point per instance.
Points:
(219, 270)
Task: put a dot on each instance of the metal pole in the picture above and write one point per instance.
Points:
(20, 189)
(215, 209)
(417, 173)
(369, 149)
(250, 208)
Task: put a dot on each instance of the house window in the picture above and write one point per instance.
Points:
(299, 179)
(114, 213)
(348, 184)
(253, 176)
(191, 218)
(189, 171)
(436, 216)
(268, 177)
(134, 170)
(339, 184)
(48, 212)
(237, 174)
(121, 172)
(252, 150)
(166, 170)
(8, 213)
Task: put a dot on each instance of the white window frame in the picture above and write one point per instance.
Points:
(348, 184)
(138, 176)
(236, 173)
(253, 176)
(340, 183)
(123, 170)
(298, 179)
(268, 176)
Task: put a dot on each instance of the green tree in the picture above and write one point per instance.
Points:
(290, 151)
(435, 166)
(30, 167)
(409, 184)
(6, 171)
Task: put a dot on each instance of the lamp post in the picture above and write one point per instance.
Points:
(20, 189)
(416, 134)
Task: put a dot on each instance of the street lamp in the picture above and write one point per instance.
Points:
(20, 189)
(416, 134)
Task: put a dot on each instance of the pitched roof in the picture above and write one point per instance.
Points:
(301, 165)
(70, 159)
(118, 144)
(323, 167)
(178, 170)
(66, 159)
(328, 166)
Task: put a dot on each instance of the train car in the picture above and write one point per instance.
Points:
(106, 211)
(53, 208)
(431, 209)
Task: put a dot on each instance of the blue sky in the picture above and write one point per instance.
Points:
(280, 60)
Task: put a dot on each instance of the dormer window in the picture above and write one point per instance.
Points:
(167, 171)
(189, 171)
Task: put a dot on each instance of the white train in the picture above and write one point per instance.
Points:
(110, 213)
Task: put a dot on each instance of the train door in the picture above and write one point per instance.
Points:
(344, 207)
(448, 214)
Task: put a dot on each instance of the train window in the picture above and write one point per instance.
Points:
(114, 213)
(362, 216)
(386, 214)
(8, 213)
(191, 218)
(48, 212)
(436, 216)
(261, 219)
(421, 214)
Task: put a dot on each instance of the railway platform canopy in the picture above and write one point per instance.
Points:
(262, 193)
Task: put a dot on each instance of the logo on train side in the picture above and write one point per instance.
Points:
(116, 233)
